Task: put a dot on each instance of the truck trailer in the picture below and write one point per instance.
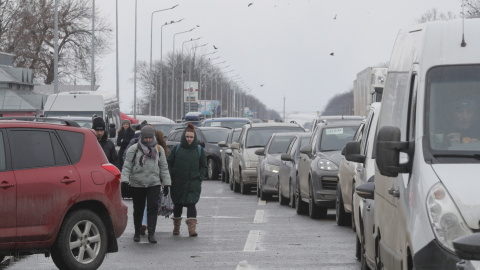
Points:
(368, 88)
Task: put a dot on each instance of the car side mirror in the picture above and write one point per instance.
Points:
(286, 157)
(222, 144)
(260, 152)
(228, 151)
(366, 190)
(468, 247)
(306, 149)
(111, 131)
(235, 145)
(388, 151)
(352, 152)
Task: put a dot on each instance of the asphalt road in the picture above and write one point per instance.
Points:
(235, 232)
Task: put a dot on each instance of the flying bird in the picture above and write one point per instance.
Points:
(261, 85)
(332, 54)
(335, 17)
(198, 25)
(171, 21)
(215, 47)
(250, 4)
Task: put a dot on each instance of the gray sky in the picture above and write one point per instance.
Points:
(283, 44)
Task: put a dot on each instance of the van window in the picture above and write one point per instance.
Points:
(453, 108)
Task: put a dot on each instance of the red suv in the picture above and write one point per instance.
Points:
(58, 194)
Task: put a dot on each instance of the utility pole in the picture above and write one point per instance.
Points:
(284, 115)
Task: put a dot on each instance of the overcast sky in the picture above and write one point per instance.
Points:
(284, 45)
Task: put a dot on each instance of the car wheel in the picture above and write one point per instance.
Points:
(231, 181)
(315, 211)
(236, 186)
(363, 259)
(352, 215)
(282, 199)
(212, 169)
(342, 218)
(264, 196)
(358, 248)
(300, 206)
(291, 194)
(81, 242)
(223, 176)
(244, 189)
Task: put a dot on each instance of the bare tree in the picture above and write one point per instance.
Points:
(472, 9)
(434, 15)
(31, 38)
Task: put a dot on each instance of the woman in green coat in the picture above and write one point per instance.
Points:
(188, 166)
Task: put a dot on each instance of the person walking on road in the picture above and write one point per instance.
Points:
(146, 169)
(125, 134)
(108, 147)
(188, 166)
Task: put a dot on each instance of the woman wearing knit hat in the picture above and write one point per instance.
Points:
(188, 167)
(125, 134)
(146, 168)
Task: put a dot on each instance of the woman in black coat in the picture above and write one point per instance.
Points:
(125, 134)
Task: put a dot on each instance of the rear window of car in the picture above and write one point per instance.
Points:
(216, 135)
(73, 142)
(230, 124)
(258, 137)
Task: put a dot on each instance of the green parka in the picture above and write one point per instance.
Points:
(187, 171)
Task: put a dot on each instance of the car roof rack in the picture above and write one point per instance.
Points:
(42, 119)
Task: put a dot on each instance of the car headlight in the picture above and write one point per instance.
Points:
(446, 221)
(251, 163)
(272, 168)
(327, 165)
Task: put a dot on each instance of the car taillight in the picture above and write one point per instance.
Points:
(112, 169)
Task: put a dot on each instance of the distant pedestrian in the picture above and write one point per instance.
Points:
(125, 134)
(188, 166)
(107, 146)
(146, 168)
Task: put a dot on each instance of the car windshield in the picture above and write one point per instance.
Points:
(279, 144)
(230, 124)
(453, 110)
(165, 129)
(335, 138)
(258, 137)
(216, 135)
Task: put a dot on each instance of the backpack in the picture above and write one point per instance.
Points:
(198, 146)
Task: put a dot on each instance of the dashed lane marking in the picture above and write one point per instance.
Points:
(252, 240)
(261, 202)
(259, 216)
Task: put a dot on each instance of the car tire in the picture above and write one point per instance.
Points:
(227, 178)
(300, 206)
(282, 199)
(212, 169)
(363, 259)
(244, 189)
(342, 218)
(315, 211)
(292, 194)
(223, 176)
(258, 189)
(236, 186)
(2, 257)
(352, 215)
(358, 248)
(65, 252)
(231, 181)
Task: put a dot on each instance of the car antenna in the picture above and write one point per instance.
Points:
(463, 44)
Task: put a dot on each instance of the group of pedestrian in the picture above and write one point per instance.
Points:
(147, 167)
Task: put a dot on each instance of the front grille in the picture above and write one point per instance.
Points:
(329, 182)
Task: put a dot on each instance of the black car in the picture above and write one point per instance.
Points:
(208, 138)
(226, 153)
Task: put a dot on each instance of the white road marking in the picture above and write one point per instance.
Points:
(252, 240)
(259, 216)
(243, 265)
(261, 202)
(209, 197)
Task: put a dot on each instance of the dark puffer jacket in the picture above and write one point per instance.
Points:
(187, 171)
(109, 149)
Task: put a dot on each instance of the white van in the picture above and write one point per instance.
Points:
(428, 146)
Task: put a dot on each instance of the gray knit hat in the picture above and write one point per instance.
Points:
(126, 121)
(147, 132)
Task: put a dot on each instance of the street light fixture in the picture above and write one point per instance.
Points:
(183, 87)
(161, 68)
(151, 40)
(173, 66)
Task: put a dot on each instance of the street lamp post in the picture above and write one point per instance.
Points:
(173, 67)
(151, 40)
(189, 73)
(161, 70)
(183, 87)
(200, 89)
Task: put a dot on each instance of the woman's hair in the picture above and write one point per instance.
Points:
(121, 127)
(161, 141)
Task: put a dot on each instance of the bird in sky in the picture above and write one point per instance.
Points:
(250, 4)
(335, 17)
(171, 21)
(261, 85)
(215, 47)
(332, 54)
(198, 25)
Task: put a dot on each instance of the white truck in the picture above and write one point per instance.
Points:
(368, 88)
(84, 104)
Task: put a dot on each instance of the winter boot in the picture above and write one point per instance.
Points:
(136, 236)
(192, 224)
(151, 238)
(143, 229)
(177, 221)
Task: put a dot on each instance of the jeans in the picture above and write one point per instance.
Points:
(191, 210)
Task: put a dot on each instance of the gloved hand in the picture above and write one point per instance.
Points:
(165, 190)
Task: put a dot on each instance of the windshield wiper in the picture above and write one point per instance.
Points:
(476, 156)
